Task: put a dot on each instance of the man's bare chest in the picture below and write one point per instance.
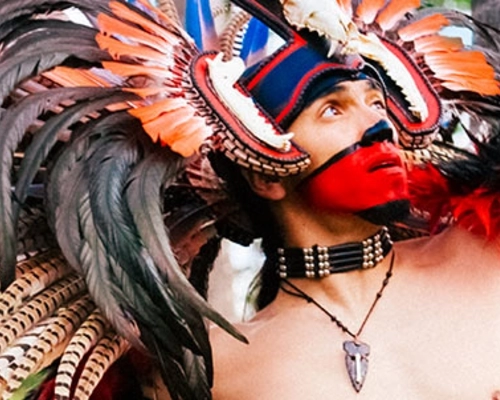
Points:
(432, 348)
(426, 368)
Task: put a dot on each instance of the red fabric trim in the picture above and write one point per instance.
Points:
(306, 78)
(293, 46)
(203, 84)
(401, 114)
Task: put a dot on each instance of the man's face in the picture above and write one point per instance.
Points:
(353, 168)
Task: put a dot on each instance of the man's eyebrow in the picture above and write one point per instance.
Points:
(340, 87)
(374, 85)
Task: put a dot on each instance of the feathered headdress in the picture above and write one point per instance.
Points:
(110, 120)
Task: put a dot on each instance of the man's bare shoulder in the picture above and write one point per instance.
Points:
(256, 330)
(237, 364)
(233, 360)
(454, 248)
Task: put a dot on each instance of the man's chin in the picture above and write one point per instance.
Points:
(393, 211)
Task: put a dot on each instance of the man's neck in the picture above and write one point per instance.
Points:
(302, 226)
(348, 294)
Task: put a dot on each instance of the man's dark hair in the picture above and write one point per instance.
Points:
(262, 222)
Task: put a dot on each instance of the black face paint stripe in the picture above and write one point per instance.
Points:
(379, 132)
(341, 154)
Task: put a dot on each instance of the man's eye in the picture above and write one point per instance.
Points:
(379, 105)
(330, 111)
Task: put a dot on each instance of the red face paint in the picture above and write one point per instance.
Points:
(363, 178)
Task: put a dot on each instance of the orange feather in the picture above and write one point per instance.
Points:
(127, 14)
(153, 111)
(191, 142)
(127, 70)
(485, 87)
(182, 132)
(113, 27)
(394, 11)
(437, 43)
(464, 70)
(472, 63)
(118, 49)
(425, 26)
(72, 77)
(147, 91)
(368, 9)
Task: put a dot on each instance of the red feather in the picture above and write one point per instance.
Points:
(477, 211)
(429, 192)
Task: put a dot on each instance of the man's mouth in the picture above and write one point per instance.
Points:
(384, 161)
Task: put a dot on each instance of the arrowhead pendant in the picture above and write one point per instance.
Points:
(356, 359)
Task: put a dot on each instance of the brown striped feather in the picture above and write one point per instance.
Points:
(41, 306)
(109, 349)
(11, 357)
(39, 272)
(84, 339)
(57, 333)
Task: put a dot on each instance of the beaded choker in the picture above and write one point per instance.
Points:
(320, 261)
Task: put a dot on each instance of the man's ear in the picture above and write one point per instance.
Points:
(267, 187)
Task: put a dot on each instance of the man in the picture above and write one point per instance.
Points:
(307, 146)
(417, 325)
(436, 324)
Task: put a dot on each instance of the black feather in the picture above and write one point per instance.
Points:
(109, 169)
(46, 137)
(42, 45)
(13, 124)
(12, 9)
(143, 195)
(76, 148)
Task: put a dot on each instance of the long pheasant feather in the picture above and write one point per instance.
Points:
(67, 180)
(57, 332)
(49, 268)
(12, 9)
(24, 65)
(95, 266)
(46, 137)
(83, 340)
(11, 357)
(109, 168)
(109, 349)
(39, 307)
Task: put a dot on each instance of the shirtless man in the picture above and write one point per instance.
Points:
(423, 323)
(343, 312)
(434, 333)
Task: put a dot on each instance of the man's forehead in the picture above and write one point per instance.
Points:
(364, 83)
(328, 88)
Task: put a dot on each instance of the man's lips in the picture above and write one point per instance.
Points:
(384, 160)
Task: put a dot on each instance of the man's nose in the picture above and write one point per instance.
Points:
(379, 132)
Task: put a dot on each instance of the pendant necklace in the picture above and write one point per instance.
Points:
(357, 352)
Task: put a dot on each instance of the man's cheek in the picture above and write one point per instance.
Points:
(346, 186)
